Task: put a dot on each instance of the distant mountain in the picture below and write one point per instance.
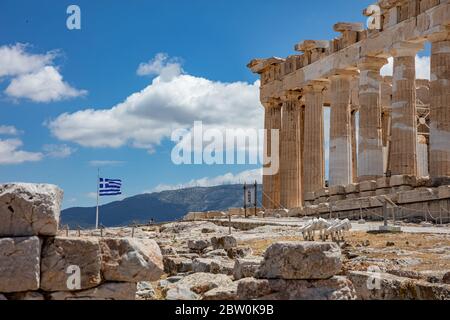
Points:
(161, 206)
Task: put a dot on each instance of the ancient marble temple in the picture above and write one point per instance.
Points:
(379, 126)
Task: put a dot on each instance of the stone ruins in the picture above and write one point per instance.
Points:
(37, 264)
(389, 136)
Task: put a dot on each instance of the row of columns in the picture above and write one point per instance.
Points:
(299, 117)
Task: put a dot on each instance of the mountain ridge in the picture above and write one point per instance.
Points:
(164, 206)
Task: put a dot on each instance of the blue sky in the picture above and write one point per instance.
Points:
(52, 136)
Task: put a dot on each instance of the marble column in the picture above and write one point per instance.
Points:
(291, 158)
(313, 150)
(271, 180)
(403, 145)
(340, 166)
(370, 151)
(440, 106)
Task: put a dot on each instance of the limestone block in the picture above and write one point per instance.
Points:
(131, 260)
(107, 291)
(337, 197)
(239, 252)
(225, 293)
(222, 266)
(335, 288)
(310, 196)
(352, 188)
(198, 245)
(369, 185)
(29, 209)
(61, 255)
(19, 264)
(215, 214)
(200, 283)
(336, 190)
(246, 267)
(175, 265)
(385, 286)
(401, 189)
(300, 260)
(416, 196)
(365, 194)
(403, 180)
(324, 192)
(444, 192)
(225, 242)
(383, 182)
(202, 265)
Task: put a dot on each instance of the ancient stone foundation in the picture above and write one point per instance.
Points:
(36, 264)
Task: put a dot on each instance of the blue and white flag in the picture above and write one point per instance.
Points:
(109, 187)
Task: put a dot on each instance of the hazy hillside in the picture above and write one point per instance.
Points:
(161, 206)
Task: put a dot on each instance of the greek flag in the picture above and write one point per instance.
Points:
(109, 187)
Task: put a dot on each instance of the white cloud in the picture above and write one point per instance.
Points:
(248, 176)
(14, 60)
(57, 151)
(9, 130)
(44, 85)
(104, 163)
(11, 154)
(34, 76)
(422, 67)
(161, 65)
(145, 118)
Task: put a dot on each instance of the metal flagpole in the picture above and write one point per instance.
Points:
(96, 213)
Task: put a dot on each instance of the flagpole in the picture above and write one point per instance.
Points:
(96, 213)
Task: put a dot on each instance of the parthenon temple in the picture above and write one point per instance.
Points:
(388, 134)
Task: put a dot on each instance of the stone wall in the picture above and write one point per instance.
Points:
(415, 198)
(36, 264)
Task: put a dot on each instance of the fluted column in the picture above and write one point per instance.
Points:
(403, 146)
(440, 106)
(271, 179)
(370, 151)
(290, 160)
(340, 166)
(313, 152)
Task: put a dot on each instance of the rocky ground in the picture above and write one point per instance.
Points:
(202, 261)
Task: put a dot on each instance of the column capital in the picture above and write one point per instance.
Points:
(405, 49)
(371, 63)
(316, 86)
(272, 103)
(290, 95)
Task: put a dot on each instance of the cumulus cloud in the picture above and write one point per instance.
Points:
(14, 60)
(161, 65)
(44, 85)
(146, 117)
(10, 153)
(248, 176)
(58, 151)
(422, 67)
(9, 130)
(34, 76)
